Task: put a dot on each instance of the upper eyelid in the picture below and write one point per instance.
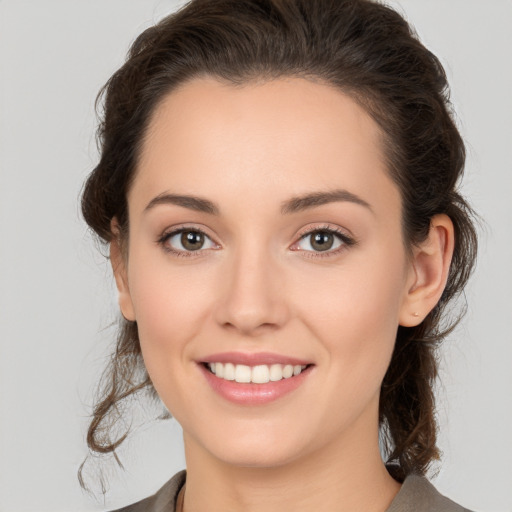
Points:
(173, 230)
(302, 232)
(170, 232)
(337, 230)
(344, 234)
(323, 227)
(346, 239)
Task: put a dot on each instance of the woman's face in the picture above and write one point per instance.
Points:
(265, 234)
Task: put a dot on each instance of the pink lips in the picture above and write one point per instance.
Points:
(253, 359)
(251, 394)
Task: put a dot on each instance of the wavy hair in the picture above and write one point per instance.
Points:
(369, 52)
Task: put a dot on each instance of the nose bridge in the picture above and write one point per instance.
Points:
(253, 297)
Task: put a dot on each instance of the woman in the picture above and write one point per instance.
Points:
(277, 184)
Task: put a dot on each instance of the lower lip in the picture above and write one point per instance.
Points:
(253, 394)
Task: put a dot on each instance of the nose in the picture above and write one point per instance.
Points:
(252, 296)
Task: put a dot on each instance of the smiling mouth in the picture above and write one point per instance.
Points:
(259, 374)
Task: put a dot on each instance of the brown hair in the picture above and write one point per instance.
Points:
(369, 52)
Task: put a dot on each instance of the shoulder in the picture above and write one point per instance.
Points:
(163, 500)
(419, 495)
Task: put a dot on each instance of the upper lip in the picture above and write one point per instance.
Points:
(253, 359)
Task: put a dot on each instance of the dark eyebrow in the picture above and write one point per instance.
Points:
(293, 205)
(297, 204)
(191, 202)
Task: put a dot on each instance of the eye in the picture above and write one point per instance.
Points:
(326, 240)
(185, 241)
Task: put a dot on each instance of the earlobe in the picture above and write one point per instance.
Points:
(118, 262)
(429, 270)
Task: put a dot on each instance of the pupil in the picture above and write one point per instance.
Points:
(322, 241)
(192, 240)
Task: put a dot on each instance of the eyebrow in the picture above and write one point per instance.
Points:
(300, 203)
(198, 204)
(293, 205)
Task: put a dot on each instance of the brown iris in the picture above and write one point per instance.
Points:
(192, 240)
(321, 240)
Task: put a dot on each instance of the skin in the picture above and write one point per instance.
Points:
(258, 285)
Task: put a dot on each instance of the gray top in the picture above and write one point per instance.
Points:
(416, 495)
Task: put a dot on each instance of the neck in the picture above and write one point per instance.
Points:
(347, 476)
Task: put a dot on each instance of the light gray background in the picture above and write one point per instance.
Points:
(56, 293)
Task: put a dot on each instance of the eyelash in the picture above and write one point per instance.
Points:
(346, 240)
(162, 240)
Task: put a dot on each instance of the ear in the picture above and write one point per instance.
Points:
(428, 272)
(118, 262)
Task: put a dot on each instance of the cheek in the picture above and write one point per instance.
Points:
(355, 314)
(170, 308)
(167, 296)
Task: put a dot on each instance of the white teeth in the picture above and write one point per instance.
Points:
(229, 371)
(287, 371)
(242, 373)
(260, 374)
(276, 372)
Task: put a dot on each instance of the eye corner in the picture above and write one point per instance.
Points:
(341, 240)
(165, 238)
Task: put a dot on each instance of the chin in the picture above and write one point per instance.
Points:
(255, 457)
(258, 447)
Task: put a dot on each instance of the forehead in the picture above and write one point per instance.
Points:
(283, 136)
